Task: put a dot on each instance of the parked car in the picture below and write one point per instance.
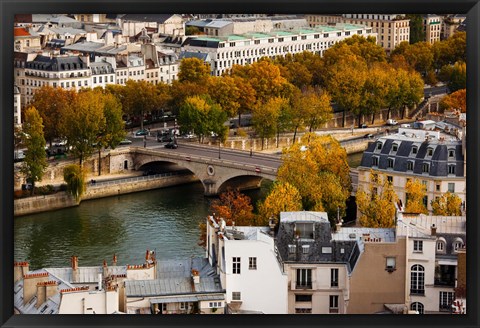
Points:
(125, 142)
(141, 132)
(363, 126)
(391, 122)
(171, 145)
(165, 138)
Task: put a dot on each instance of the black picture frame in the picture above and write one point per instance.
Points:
(11, 7)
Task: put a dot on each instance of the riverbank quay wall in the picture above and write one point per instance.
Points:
(37, 204)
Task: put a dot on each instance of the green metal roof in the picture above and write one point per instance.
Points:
(283, 33)
(260, 35)
(235, 37)
(304, 31)
(209, 39)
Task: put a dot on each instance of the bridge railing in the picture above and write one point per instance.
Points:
(98, 184)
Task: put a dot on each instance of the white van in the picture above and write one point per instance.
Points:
(391, 122)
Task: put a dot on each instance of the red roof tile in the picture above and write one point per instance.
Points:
(20, 31)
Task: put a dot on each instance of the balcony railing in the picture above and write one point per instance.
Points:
(417, 291)
(303, 286)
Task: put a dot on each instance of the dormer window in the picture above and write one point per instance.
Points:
(441, 245)
(410, 166)
(374, 161)
(430, 152)
(451, 169)
(425, 168)
(414, 150)
(379, 146)
(394, 147)
(457, 244)
(305, 249)
(390, 163)
(451, 153)
(292, 249)
(304, 230)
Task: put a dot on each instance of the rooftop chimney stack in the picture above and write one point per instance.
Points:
(19, 270)
(195, 276)
(434, 230)
(114, 260)
(75, 273)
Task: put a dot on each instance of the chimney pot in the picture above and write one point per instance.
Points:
(433, 230)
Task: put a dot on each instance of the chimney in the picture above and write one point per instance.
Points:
(271, 224)
(19, 270)
(195, 276)
(45, 290)
(114, 260)
(75, 272)
(30, 285)
(434, 230)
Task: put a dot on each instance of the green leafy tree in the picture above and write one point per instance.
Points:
(416, 192)
(265, 118)
(74, 176)
(283, 197)
(449, 204)
(416, 28)
(455, 76)
(35, 161)
(377, 203)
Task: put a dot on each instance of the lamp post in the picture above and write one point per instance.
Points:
(219, 157)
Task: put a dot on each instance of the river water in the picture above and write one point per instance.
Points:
(165, 220)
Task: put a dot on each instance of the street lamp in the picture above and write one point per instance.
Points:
(219, 157)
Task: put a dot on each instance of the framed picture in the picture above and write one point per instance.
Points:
(287, 158)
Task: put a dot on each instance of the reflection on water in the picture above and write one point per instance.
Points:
(165, 220)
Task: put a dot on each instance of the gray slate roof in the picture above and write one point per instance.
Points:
(159, 18)
(190, 54)
(46, 63)
(342, 251)
(438, 162)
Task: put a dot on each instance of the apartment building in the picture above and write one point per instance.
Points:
(247, 48)
(432, 27)
(391, 30)
(17, 107)
(436, 158)
(26, 39)
(318, 266)
(248, 264)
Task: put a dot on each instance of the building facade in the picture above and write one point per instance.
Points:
(435, 158)
(391, 30)
(432, 28)
(248, 48)
(17, 107)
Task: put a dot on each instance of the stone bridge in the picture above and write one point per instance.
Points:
(215, 174)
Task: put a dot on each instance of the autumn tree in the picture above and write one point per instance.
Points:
(193, 70)
(410, 89)
(226, 93)
(35, 161)
(140, 97)
(449, 204)
(233, 206)
(74, 176)
(82, 123)
(377, 203)
(416, 192)
(317, 167)
(373, 92)
(455, 101)
(316, 106)
(283, 197)
(51, 103)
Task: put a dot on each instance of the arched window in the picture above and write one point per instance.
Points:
(417, 306)
(417, 280)
(457, 244)
(441, 245)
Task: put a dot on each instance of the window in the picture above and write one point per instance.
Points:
(417, 280)
(446, 299)
(302, 311)
(410, 166)
(418, 246)
(252, 263)
(236, 265)
(183, 305)
(333, 303)
(391, 264)
(440, 246)
(437, 186)
(236, 296)
(390, 163)
(94, 79)
(326, 250)
(430, 151)
(451, 169)
(215, 304)
(414, 150)
(374, 161)
(390, 178)
(292, 249)
(304, 278)
(394, 147)
(451, 187)
(425, 167)
(305, 249)
(379, 146)
(304, 230)
(333, 277)
(457, 244)
(303, 298)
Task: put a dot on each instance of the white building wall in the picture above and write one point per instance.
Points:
(88, 302)
(17, 112)
(263, 289)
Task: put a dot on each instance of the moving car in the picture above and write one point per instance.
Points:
(171, 145)
(391, 122)
(141, 132)
(125, 142)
